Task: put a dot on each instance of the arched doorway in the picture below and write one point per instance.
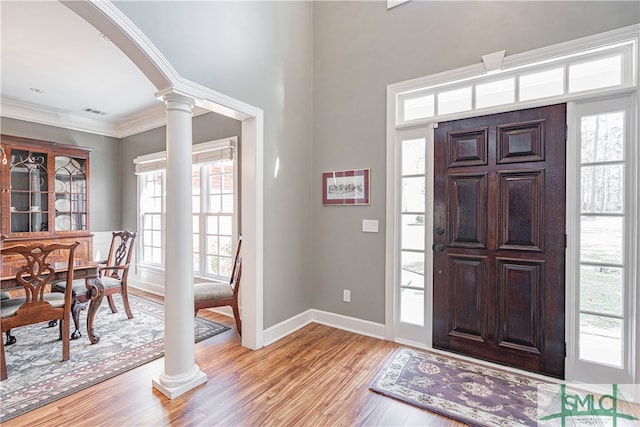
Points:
(106, 18)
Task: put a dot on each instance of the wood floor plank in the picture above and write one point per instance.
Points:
(317, 376)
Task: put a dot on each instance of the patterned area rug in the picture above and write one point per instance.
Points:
(471, 393)
(38, 376)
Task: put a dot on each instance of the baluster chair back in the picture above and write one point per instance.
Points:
(115, 271)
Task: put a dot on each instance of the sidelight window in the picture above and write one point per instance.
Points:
(602, 229)
(412, 231)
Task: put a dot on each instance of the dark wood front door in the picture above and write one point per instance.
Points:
(499, 238)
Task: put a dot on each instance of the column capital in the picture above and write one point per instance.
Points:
(176, 100)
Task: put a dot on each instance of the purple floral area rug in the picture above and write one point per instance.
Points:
(37, 375)
(467, 392)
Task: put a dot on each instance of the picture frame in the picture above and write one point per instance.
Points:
(348, 187)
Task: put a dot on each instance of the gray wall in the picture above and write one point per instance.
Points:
(359, 49)
(105, 204)
(260, 53)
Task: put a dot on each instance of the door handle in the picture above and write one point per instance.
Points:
(439, 247)
(440, 231)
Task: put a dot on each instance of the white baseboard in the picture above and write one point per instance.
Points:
(338, 321)
(282, 329)
(351, 324)
(225, 311)
(154, 288)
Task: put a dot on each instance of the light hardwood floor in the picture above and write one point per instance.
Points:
(317, 376)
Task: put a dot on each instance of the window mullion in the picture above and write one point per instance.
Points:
(204, 190)
(163, 233)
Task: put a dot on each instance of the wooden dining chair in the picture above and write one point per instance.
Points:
(38, 304)
(212, 294)
(113, 273)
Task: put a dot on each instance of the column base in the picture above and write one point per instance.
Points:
(173, 387)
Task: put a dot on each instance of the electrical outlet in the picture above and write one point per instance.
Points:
(346, 295)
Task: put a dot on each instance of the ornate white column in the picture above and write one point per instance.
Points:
(181, 374)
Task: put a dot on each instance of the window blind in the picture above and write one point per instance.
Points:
(206, 152)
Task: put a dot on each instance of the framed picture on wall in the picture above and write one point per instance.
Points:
(349, 187)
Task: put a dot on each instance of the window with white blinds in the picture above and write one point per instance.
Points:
(214, 206)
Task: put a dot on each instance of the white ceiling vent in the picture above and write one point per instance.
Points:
(91, 110)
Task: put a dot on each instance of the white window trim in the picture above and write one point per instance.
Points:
(625, 36)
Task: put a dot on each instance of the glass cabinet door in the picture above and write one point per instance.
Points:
(70, 188)
(29, 197)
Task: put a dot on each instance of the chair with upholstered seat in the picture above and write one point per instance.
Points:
(116, 270)
(211, 294)
(113, 274)
(39, 304)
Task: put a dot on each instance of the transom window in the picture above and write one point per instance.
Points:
(566, 77)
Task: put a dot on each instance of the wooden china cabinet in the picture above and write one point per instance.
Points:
(44, 189)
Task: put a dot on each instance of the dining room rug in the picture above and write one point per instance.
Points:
(471, 393)
(38, 376)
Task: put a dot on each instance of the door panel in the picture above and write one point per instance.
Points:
(499, 204)
(520, 304)
(521, 210)
(522, 142)
(467, 297)
(468, 148)
(468, 210)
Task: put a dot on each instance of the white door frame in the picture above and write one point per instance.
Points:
(422, 87)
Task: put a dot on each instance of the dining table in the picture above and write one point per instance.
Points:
(82, 269)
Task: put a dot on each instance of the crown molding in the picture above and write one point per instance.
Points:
(47, 116)
(151, 118)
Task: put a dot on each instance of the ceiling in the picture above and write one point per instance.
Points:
(57, 69)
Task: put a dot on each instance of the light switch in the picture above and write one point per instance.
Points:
(370, 225)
